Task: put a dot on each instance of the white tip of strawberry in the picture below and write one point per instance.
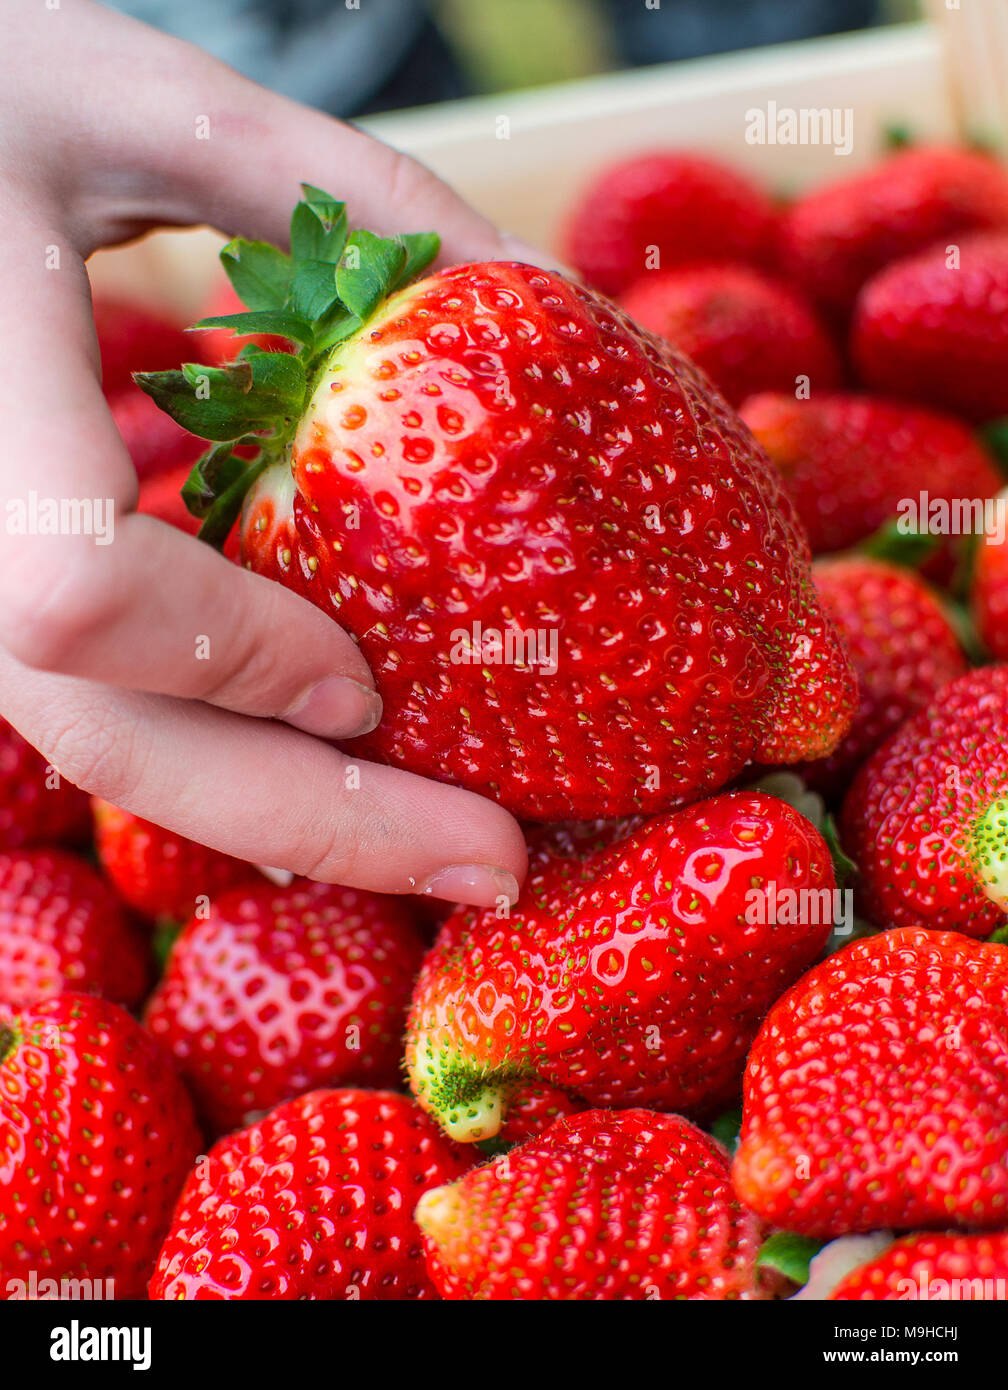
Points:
(438, 1212)
(990, 852)
(467, 1107)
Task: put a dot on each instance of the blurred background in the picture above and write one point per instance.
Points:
(351, 57)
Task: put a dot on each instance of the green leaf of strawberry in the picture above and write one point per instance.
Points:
(260, 273)
(789, 1254)
(369, 269)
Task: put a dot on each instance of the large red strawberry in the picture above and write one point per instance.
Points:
(37, 806)
(833, 238)
(96, 1138)
(635, 975)
(575, 578)
(749, 333)
(934, 328)
(279, 990)
(876, 1094)
(661, 209)
(925, 818)
(63, 929)
(133, 338)
(160, 873)
(927, 1267)
(604, 1205)
(315, 1201)
(852, 463)
(989, 584)
(903, 647)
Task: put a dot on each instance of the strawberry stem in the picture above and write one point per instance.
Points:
(321, 292)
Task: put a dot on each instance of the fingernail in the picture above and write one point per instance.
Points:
(476, 885)
(337, 707)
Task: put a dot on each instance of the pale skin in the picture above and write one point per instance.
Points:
(97, 643)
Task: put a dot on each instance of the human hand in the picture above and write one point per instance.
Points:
(98, 644)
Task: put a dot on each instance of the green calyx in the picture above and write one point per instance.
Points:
(8, 1040)
(990, 852)
(321, 292)
(789, 1254)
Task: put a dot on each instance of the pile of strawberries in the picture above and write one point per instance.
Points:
(681, 1065)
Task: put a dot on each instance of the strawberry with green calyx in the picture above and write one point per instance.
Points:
(576, 579)
(637, 974)
(924, 818)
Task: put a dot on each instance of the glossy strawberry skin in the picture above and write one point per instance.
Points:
(32, 812)
(280, 990)
(957, 1267)
(875, 1093)
(96, 1135)
(315, 1201)
(909, 817)
(132, 338)
(637, 975)
(937, 334)
(989, 591)
(749, 333)
(834, 238)
(626, 1205)
(848, 460)
(486, 452)
(157, 872)
(903, 648)
(688, 207)
(62, 929)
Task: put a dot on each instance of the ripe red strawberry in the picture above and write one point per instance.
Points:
(747, 332)
(604, 1205)
(62, 929)
(157, 872)
(96, 1138)
(927, 1267)
(132, 338)
(315, 1201)
(833, 238)
(876, 1094)
(925, 817)
(989, 588)
(280, 990)
(637, 975)
(155, 442)
(37, 805)
(903, 647)
(938, 334)
(661, 209)
(494, 468)
(849, 461)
